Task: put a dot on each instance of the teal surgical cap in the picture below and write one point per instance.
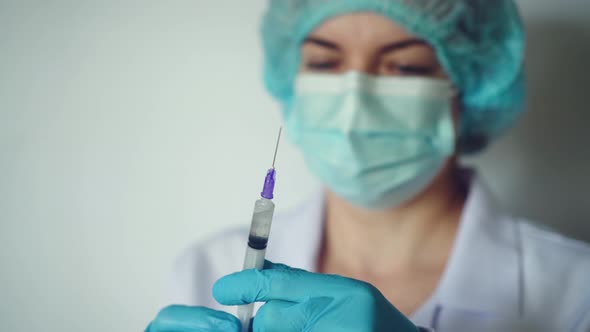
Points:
(480, 44)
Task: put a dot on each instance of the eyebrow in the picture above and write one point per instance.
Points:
(402, 44)
(321, 42)
(385, 49)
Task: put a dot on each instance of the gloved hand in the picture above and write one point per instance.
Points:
(193, 319)
(297, 300)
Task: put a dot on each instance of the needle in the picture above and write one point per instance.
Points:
(277, 148)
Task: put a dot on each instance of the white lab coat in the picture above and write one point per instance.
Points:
(504, 274)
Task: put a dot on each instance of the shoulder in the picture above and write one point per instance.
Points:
(196, 268)
(555, 249)
(556, 272)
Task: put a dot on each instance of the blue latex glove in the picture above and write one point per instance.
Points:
(193, 319)
(297, 300)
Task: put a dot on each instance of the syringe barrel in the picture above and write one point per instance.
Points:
(261, 222)
(256, 250)
(254, 258)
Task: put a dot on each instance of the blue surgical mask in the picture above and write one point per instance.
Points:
(374, 141)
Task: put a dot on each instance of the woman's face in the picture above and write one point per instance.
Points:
(373, 44)
(368, 43)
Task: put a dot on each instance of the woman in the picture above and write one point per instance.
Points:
(382, 97)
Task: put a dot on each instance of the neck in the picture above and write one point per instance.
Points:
(415, 236)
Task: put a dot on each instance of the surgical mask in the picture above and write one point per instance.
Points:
(374, 141)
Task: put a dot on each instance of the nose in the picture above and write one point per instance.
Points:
(360, 63)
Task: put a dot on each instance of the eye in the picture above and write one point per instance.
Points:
(415, 70)
(322, 65)
(407, 70)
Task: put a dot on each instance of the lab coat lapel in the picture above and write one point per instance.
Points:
(482, 284)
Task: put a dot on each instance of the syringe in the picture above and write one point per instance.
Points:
(259, 233)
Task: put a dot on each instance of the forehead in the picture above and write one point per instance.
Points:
(361, 27)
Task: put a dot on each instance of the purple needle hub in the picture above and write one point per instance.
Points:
(269, 184)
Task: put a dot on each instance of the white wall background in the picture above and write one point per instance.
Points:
(129, 129)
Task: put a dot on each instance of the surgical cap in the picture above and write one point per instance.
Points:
(479, 43)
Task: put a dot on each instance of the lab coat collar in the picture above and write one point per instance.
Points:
(472, 283)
